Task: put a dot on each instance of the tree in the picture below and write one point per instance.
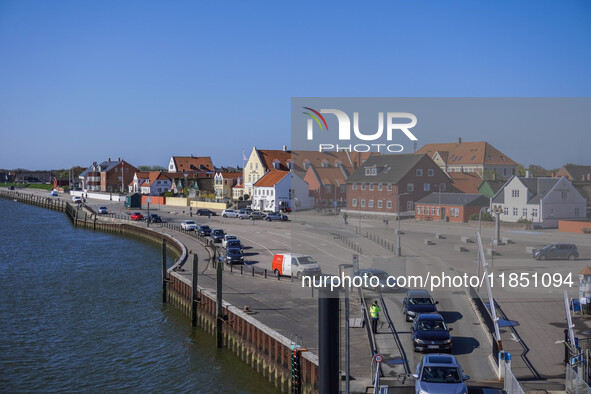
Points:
(246, 197)
(151, 168)
(520, 171)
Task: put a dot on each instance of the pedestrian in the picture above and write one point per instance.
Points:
(374, 311)
(345, 217)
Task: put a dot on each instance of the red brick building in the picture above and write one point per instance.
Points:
(456, 206)
(108, 176)
(327, 186)
(374, 188)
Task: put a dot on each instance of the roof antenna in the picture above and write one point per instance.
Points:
(414, 147)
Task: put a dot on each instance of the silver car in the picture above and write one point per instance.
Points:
(440, 373)
(229, 213)
(557, 251)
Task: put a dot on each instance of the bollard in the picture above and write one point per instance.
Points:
(265, 273)
(253, 271)
(195, 291)
(241, 269)
(231, 267)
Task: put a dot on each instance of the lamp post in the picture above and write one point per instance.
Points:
(398, 246)
(485, 209)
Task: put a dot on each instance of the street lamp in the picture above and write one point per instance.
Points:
(488, 210)
(398, 246)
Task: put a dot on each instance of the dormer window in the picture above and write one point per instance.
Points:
(338, 163)
(371, 171)
(306, 164)
(276, 164)
(324, 163)
(290, 165)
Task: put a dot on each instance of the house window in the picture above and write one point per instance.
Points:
(363, 186)
(410, 205)
(368, 171)
(504, 171)
(354, 187)
(389, 204)
(419, 172)
(370, 204)
(380, 187)
(389, 188)
(438, 211)
(515, 211)
(576, 211)
(430, 172)
(514, 193)
(380, 204)
(256, 166)
(418, 210)
(551, 212)
(505, 211)
(354, 202)
(410, 187)
(362, 203)
(534, 212)
(343, 188)
(525, 212)
(250, 166)
(422, 210)
(426, 187)
(290, 165)
(371, 186)
(564, 195)
(327, 188)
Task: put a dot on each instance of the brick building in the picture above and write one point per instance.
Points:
(108, 176)
(457, 207)
(374, 188)
(327, 186)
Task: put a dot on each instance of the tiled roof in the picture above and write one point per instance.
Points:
(271, 178)
(349, 161)
(391, 168)
(329, 175)
(190, 163)
(467, 153)
(269, 156)
(241, 186)
(230, 175)
(578, 172)
(466, 182)
(459, 199)
(155, 176)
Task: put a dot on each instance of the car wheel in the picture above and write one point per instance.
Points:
(299, 275)
(241, 218)
(542, 257)
(276, 272)
(224, 216)
(572, 257)
(268, 220)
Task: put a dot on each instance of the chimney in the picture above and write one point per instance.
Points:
(109, 159)
(527, 173)
(191, 155)
(459, 140)
(119, 159)
(284, 148)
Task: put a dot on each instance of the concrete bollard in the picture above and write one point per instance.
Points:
(460, 248)
(491, 252)
(507, 240)
(439, 236)
(530, 249)
(429, 242)
(467, 240)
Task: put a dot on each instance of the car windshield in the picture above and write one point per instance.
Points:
(548, 247)
(204, 227)
(420, 301)
(234, 251)
(189, 222)
(441, 375)
(234, 242)
(431, 325)
(303, 260)
(218, 232)
(102, 207)
(229, 237)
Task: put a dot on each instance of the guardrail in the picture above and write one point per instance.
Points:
(574, 383)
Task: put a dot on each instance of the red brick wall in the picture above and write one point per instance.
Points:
(154, 200)
(569, 226)
(464, 212)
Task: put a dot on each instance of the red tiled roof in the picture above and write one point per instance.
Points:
(351, 161)
(239, 186)
(269, 156)
(466, 182)
(271, 178)
(467, 153)
(154, 176)
(190, 163)
(230, 175)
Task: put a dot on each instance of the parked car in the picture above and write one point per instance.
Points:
(243, 215)
(53, 193)
(245, 210)
(418, 301)
(429, 332)
(227, 237)
(217, 235)
(188, 225)
(153, 218)
(234, 244)
(440, 373)
(77, 199)
(557, 251)
(206, 212)
(10, 187)
(103, 210)
(234, 255)
(204, 231)
(275, 216)
(257, 215)
(229, 213)
(137, 216)
(381, 279)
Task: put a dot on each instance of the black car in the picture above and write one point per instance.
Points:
(234, 255)
(204, 231)
(556, 251)
(418, 301)
(429, 332)
(205, 212)
(275, 216)
(217, 235)
(234, 244)
(153, 218)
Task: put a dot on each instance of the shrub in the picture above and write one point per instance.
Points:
(524, 221)
(486, 217)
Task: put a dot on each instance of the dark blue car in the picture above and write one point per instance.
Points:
(417, 302)
(429, 332)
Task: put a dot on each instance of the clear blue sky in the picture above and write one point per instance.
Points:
(81, 81)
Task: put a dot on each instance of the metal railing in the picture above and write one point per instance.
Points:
(574, 383)
(512, 386)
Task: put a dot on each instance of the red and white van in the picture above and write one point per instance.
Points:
(289, 264)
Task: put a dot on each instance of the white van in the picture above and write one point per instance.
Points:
(295, 265)
(77, 199)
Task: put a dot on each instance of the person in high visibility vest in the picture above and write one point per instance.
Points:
(374, 311)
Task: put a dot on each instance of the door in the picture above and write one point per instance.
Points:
(286, 265)
(442, 213)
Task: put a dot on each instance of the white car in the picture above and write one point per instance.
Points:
(103, 210)
(77, 199)
(227, 238)
(188, 225)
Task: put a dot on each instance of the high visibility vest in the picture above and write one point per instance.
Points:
(375, 311)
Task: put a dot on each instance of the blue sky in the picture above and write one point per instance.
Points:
(144, 80)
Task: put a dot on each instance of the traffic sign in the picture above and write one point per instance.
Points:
(148, 200)
(378, 358)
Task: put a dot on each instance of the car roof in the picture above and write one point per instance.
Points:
(430, 316)
(372, 270)
(438, 359)
(418, 293)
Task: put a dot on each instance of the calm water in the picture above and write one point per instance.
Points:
(82, 311)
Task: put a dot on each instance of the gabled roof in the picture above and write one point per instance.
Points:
(390, 168)
(329, 175)
(466, 182)
(577, 172)
(271, 178)
(269, 156)
(192, 163)
(467, 153)
(156, 176)
(459, 199)
(348, 160)
(229, 175)
(537, 188)
(105, 166)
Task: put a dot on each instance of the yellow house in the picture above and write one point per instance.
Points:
(224, 182)
(262, 161)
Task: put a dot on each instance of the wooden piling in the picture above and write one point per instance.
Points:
(164, 270)
(195, 299)
(219, 317)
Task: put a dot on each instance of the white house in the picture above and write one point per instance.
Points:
(540, 200)
(281, 190)
(155, 184)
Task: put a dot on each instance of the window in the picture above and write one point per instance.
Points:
(389, 204)
(354, 186)
(371, 186)
(354, 202)
(343, 188)
(514, 193)
(363, 186)
(380, 187)
(505, 211)
(362, 203)
(576, 211)
(515, 211)
(534, 212)
(504, 171)
(419, 172)
(370, 204)
(389, 188)
(410, 205)
(256, 166)
(368, 171)
(525, 212)
(427, 187)
(418, 210)
(327, 188)
(380, 204)
(430, 172)
(410, 187)
(564, 195)
(438, 211)
(251, 166)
